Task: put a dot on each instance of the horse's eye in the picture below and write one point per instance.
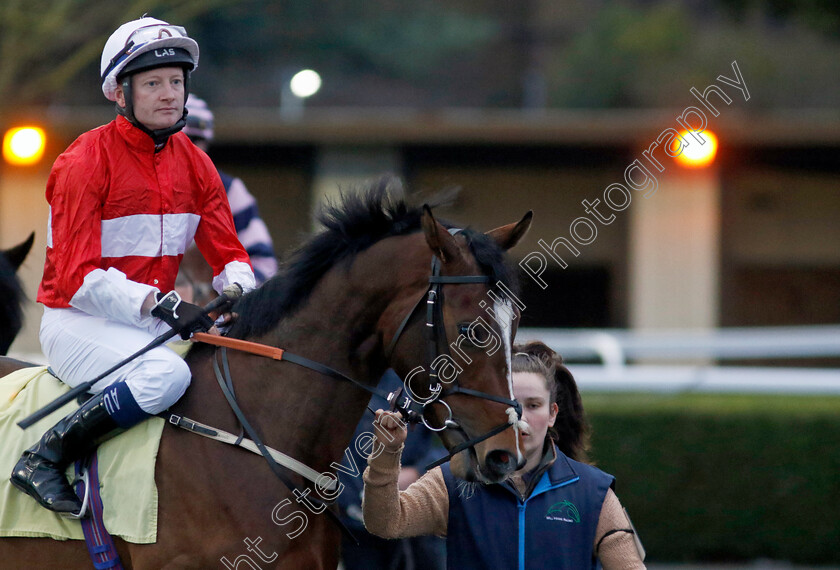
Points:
(477, 336)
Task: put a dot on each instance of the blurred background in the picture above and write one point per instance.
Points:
(702, 321)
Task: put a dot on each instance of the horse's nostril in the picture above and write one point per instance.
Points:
(501, 462)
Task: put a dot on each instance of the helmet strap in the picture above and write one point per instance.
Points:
(159, 136)
(128, 110)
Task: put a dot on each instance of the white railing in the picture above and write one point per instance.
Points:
(686, 359)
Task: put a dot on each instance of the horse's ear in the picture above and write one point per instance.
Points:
(438, 238)
(17, 254)
(511, 234)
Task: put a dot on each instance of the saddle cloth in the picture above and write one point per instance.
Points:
(126, 467)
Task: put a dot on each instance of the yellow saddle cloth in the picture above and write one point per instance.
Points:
(126, 467)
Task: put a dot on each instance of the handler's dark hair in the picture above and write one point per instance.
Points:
(571, 428)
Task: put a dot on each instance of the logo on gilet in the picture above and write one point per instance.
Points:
(564, 511)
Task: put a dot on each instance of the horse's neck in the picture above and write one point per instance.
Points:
(342, 335)
(338, 324)
(305, 414)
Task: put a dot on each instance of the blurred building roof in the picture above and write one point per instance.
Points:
(319, 126)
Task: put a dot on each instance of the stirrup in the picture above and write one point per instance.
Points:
(84, 478)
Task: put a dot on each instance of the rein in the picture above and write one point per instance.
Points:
(281, 354)
(226, 384)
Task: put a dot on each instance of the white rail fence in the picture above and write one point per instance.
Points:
(690, 360)
(687, 360)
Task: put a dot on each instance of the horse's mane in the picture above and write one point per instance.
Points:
(359, 219)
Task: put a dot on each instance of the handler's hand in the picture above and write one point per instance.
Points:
(390, 430)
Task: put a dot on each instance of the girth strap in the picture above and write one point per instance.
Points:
(100, 543)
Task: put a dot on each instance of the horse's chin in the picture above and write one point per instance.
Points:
(465, 466)
(462, 465)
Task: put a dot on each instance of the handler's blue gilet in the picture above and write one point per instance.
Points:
(553, 528)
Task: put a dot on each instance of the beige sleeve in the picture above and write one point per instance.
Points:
(617, 551)
(421, 509)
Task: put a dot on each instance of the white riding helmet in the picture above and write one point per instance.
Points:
(144, 36)
(199, 120)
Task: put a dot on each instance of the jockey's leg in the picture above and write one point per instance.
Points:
(78, 345)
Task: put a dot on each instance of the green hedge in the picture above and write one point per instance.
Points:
(723, 478)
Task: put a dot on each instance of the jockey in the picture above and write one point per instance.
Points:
(250, 228)
(126, 199)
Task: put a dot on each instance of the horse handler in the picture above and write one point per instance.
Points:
(554, 512)
(126, 199)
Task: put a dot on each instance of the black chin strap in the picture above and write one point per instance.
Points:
(158, 136)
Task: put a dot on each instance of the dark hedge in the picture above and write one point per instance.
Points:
(720, 478)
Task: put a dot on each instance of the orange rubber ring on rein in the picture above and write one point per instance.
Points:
(243, 345)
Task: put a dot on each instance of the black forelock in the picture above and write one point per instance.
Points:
(491, 259)
(353, 223)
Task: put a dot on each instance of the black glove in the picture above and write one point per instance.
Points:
(184, 318)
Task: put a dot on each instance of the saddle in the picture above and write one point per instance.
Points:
(126, 467)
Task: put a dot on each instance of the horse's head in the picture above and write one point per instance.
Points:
(454, 347)
(385, 284)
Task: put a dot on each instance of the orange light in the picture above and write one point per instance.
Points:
(24, 146)
(696, 155)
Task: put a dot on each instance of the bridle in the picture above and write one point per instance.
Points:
(436, 345)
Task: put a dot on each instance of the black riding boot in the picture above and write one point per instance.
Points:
(40, 472)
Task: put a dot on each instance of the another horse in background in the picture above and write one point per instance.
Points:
(11, 294)
(195, 278)
(353, 298)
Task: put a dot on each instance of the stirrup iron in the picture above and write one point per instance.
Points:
(84, 477)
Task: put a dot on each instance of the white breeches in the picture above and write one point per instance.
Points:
(80, 346)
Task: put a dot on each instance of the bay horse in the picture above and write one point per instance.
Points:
(11, 294)
(340, 300)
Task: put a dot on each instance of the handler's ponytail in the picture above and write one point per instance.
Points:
(571, 429)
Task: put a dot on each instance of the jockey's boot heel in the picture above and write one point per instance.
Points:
(40, 472)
